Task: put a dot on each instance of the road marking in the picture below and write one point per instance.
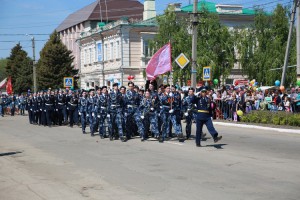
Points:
(176, 143)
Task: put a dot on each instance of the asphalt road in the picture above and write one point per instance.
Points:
(61, 163)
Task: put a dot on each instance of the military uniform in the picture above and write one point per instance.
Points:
(188, 109)
(91, 113)
(83, 107)
(149, 108)
(73, 104)
(204, 117)
(133, 114)
(102, 113)
(49, 108)
(60, 106)
(116, 114)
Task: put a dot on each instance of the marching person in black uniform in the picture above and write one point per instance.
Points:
(49, 107)
(72, 108)
(204, 117)
(30, 109)
(102, 111)
(83, 110)
(60, 106)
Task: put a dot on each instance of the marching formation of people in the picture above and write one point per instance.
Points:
(123, 113)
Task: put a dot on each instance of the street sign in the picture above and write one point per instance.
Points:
(182, 60)
(68, 82)
(206, 73)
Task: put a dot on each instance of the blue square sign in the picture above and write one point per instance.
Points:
(206, 73)
(68, 82)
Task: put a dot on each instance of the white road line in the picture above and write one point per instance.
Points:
(176, 143)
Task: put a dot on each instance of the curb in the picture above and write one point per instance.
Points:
(281, 130)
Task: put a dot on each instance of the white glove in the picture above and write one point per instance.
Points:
(31, 109)
(87, 115)
(151, 109)
(197, 93)
(79, 113)
(108, 116)
(41, 110)
(171, 94)
(67, 108)
(93, 114)
(171, 111)
(125, 114)
(45, 111)
(188, 110)
(98, 116)
(186, 114)
(142, 117)
(56, 110)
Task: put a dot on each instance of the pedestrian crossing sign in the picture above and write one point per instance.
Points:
(206, 73)
(68, 82)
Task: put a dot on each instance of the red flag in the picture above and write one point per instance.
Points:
(9, 86)
(160, 62)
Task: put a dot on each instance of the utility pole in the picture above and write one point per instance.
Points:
(298, 41)
(34, 66)
(194, 44)
(287, 52)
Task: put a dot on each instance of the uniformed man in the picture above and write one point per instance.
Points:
(149, 107)
(22, 104)
(40, 107)
(73, 104)
(188, 107)
(204, 117)
(102, 112)
(49, 107)
(83, 107)
(60, 106)
(132, 112)
(116, 113)
(91, 111)
(29, 108)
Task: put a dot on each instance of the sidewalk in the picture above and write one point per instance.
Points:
(261, 127)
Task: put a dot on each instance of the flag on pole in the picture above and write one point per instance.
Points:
(160, 62)
(9, 86)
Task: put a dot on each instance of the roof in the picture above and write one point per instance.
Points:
(116, 9)
(211, 7)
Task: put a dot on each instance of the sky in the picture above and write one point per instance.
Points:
(22, 19)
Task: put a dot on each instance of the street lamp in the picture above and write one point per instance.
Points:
(33, 63)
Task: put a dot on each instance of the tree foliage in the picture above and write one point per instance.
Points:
(3, 63)
(19, 68)
(262, 47)
(215, 44)
(54, 64)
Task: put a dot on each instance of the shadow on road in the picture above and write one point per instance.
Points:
(217, 146)
(10, 153)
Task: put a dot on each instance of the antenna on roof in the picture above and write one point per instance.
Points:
(106, 12)
(100, 13)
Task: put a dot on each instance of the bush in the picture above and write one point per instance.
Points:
(268, 117)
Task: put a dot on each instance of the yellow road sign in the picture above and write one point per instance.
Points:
(182, 60)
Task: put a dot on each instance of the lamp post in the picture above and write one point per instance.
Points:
(33, 63)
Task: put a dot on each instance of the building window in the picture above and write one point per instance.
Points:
(85, 57)
(111, 51)
(105, 52)
(87, 84)
(90, 55)
(99, 52)
(146, 49)
(118, 49)
(93, 84)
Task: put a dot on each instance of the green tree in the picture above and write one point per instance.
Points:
(262, 47)
(54, 64)
(3, 63)
(215, 44)
(19, 68)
